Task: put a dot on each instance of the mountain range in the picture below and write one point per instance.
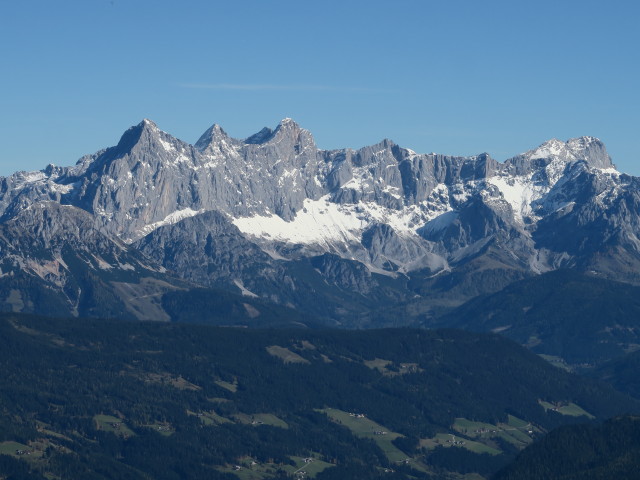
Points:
(271, 231)
(379, 236)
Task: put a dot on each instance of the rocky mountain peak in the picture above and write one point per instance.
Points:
(591, 150)
(261, 137)
(212, 136)
(50, 225)
(288, 122)
(148, 123)
(588, 149)
(142, 132)
(288, 130)
(551, 149)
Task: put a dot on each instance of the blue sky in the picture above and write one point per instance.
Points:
(457, 77)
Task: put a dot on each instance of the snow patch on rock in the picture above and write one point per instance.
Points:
(170, 219)
(322, 222)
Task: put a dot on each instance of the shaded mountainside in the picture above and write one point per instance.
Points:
(209, 250)
(103, 399)
(54, 262)
(219, 307)
(622, 373)
(582, 452)
(584, 319)
(377, 236)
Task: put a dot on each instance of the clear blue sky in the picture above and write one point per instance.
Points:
(457, 77)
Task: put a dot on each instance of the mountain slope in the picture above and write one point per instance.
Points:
(622, 373)
(582, 318)
(55, 261)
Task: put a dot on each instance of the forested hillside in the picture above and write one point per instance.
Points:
(584, 319)
(582, 452)
(104, 399)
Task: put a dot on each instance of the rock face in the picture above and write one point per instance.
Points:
(55, 261)
(274, 216)
(208, 249)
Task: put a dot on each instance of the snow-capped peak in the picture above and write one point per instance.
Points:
(550, 149)
(588, 149)
(288, 125)
(579, 143)
(148, 123)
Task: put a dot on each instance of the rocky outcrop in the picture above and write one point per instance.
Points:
(54, 261)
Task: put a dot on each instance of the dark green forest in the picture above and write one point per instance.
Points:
(610, 451)
(623, 373)
(104, 399)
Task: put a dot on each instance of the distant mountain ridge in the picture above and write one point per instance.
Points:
(351, 236)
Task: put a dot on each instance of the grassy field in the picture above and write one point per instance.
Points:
(210, 418)
(167, 379)
(366, 428)
(286, 355)
(446, 440)
(378, 364)
(252, 470)
(471, 428)
(115, 425)
(515, 431)
(257, 472)
(478, 447)
(46, 429)
(557, 362)
(382, 366)
(312, 468)
(570, 409)
(232, 387)
(517, 437)
(258, 419)
(517, 422)
(163, 429)
(10, 448)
